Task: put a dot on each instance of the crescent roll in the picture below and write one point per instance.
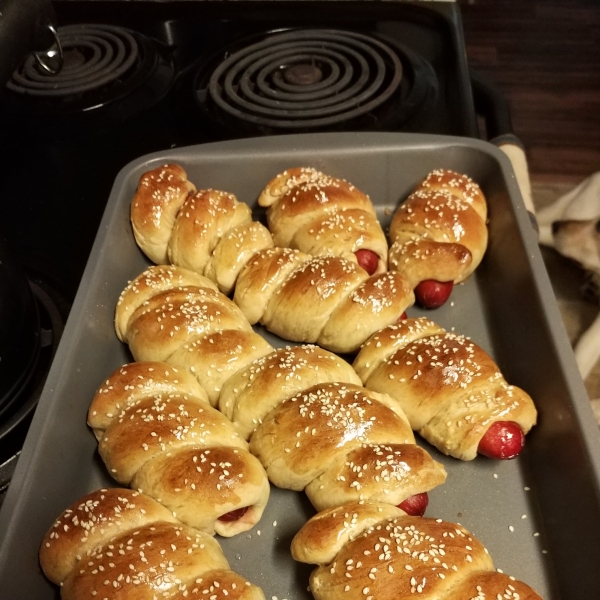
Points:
(438, 235)
(159, 196)
(451, 391)
(323, 215)
(158, 433)
(340, 442)
(370, 551)
(195, 351)
(117, 543)
(325, 300)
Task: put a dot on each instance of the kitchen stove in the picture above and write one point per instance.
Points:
(140, 77)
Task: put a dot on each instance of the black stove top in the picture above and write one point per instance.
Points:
(140, 77)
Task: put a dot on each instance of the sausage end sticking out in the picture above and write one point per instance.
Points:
(416, 505)
(503, 440)
(432, 294)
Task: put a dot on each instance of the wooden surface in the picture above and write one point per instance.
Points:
(545, 57)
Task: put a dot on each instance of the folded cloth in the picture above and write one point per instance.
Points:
(581, 203)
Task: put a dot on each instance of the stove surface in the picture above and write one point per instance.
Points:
(65, 142)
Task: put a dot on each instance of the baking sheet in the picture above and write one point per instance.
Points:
(538, 515)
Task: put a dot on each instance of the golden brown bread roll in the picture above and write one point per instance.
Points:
(366, 552)
(326, 300)
(438, 234)
(452, 392)
(117, 543)
(207, 231)
(159, 437)
(322, 215)
(152, 281)
(130, 383)
(248, 392)
(213, 234)
(341, 442)
(164, 322)
(216, 357)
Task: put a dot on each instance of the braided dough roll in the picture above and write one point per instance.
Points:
(174, 325)
(206, 231)
(371, 551)
(158, 433)
(174, 315)
(340, 442)
(452, 392)
(438, 235)
(213, 234)
(322, 215)
(117, 543)
(328, 300)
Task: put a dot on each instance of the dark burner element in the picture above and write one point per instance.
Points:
(94, 56)
(104, 65)
(301, 74)
(306, 79)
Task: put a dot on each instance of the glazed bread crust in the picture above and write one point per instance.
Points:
(290, 292)
(166, 321)
(439, 232)
(157, 200)
(117, 543)
(200, 485)
(90, 521)
(152, 281)
(450, 389)
(365, 551)
(132, 382)
(252, 393)
(157, 424)
(250, 382)
(214, 234)
(322, 215)
(327, 300)
(340, 442)
(177, 448)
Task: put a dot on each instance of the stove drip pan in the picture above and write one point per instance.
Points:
(312, 80)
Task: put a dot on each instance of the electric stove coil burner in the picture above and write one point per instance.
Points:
(306, 79)
(109, 75)
(94, 56)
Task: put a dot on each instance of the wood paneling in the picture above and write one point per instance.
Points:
(545, 57)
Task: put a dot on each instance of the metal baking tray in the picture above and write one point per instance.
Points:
(538, 515)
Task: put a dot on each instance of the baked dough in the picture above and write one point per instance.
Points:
(117, 543)
(370, 551)
(322, 215)
(250, 383)
(449, 388)
(326, 299)
(439, 232)
(340, 442)
(158, 433)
